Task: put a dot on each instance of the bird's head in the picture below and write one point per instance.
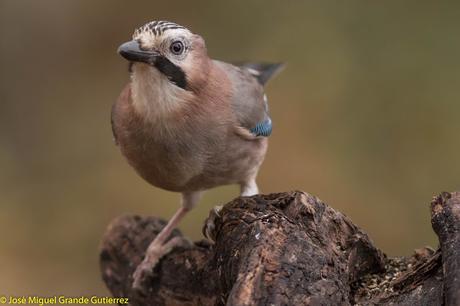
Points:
(178, 54)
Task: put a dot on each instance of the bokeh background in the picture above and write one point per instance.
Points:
(366, 117)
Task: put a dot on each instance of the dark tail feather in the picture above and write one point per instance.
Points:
(263, 72)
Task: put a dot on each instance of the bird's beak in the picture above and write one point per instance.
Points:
(131, 51)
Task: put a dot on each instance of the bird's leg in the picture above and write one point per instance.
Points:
(160, 246)
(249, 188)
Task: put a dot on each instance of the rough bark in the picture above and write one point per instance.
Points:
(285, 249)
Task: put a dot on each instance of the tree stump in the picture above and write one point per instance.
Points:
(285, 249)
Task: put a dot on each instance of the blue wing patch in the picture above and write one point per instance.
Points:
(263, 128)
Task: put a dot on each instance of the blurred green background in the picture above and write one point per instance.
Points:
(366, 117)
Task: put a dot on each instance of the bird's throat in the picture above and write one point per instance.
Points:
(153, 94)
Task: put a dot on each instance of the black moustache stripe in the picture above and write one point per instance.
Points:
(174, 73)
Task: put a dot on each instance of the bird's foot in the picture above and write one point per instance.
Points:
(154, 253)
(209, 224)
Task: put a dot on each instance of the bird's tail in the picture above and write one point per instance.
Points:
(263, 72)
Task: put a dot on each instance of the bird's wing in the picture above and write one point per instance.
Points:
(249, 102)
(112, 123)
(124, 96)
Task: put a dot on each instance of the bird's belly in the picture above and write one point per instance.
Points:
(194, 165)
(231, 166)
(164, 169)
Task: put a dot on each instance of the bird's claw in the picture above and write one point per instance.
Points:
(153, 255)
(209, 225)
(143, 271)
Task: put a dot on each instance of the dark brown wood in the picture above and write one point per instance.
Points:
(445, 219)
(284, 249)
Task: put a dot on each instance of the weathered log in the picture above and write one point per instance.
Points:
(284, 249)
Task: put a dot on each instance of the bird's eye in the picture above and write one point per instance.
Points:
(177, 47)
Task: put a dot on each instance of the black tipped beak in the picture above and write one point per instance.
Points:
(131, 51)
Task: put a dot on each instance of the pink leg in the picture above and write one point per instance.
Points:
(160, 246)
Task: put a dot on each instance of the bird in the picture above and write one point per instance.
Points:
(188, 123)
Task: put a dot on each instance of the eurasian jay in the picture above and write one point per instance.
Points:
(187, 123)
